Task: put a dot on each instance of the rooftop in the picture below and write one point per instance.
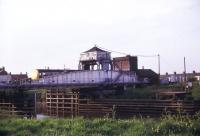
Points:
(2, 71)
(95, 49)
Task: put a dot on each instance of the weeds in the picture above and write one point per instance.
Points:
(181, 125)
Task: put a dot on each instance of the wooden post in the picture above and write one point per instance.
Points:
(50, 99)
(77, 104)
(63, 106)
(57, 103)
(72, 104)
(13, 109)
(35, 98)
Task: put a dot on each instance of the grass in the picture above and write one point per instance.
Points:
(166, 126)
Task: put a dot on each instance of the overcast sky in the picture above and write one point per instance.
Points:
(39, 33)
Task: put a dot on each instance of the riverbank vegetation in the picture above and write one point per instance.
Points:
(167, 125)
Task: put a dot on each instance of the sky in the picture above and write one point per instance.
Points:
(52, 33)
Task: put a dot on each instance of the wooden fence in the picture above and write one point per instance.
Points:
(62, 104)
(129, 108)
(20, 108)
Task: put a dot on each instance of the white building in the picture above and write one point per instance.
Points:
(95, 59)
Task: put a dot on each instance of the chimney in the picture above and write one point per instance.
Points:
(194, 72)
(167, 74)
(174, 73)
(142, 67)
(3, 68)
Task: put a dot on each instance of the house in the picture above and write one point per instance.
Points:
(17, 78)
(8, 78)
(5, 78)
(179, 78)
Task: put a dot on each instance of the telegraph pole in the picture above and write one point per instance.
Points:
(159, 65)
(159, 68)
(185, 80)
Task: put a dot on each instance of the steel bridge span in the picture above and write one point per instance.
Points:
(80, 79)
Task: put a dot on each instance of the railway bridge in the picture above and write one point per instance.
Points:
(61, 102)
(80, 79)
(70, 85)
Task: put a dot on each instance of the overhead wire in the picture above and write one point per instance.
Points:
(112, 51)
(148, 56)
(145, 56)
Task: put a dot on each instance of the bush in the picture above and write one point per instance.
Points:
(196, 93)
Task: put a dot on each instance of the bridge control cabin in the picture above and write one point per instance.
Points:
(95, 59)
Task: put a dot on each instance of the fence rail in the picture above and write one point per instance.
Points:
(128, 108)
(65, 104)
(62, 104)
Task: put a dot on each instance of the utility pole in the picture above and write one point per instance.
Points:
(159, 67)
(185, 76)
(159, 64)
